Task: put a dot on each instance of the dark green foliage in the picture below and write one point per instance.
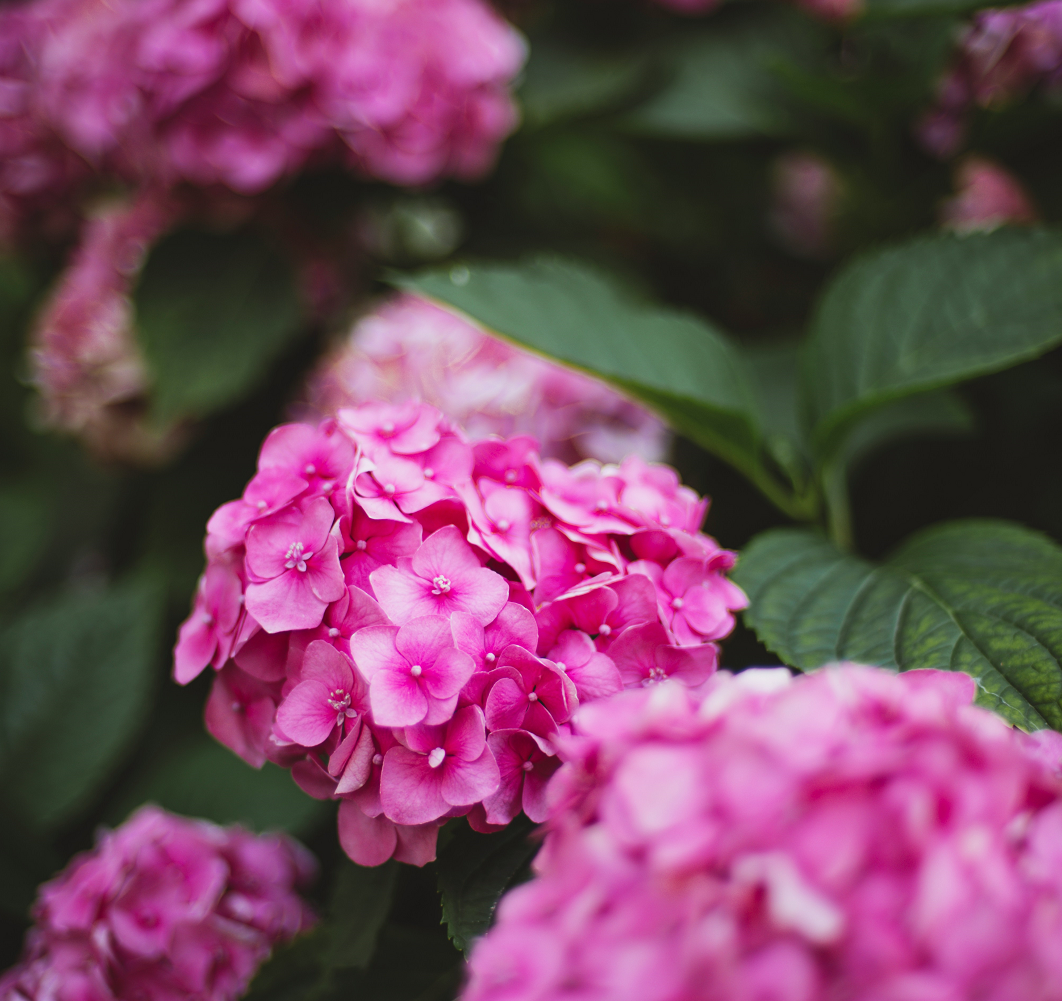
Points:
(475, 870)
(213, 313)
(981, 597)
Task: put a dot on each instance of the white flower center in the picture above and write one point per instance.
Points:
(339, 700)
(503, 525)
(441, 585)
(206, 618)
(655, 674)
(333, 632)
(490, 658)
(601, 505)
(362, 545)
(261, 505)
(605, 630)
(561, 666)
(527, 766)
(665, 520)
(389, 489)
(428, 472)
(296, 557)
(436, 757)
(677, 603)
(311, 469)
(580, 568)
(510, 475)
(388, 427)
(416, 670)
(377, 760)
(533, 697)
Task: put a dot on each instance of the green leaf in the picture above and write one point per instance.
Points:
(926, 314)
(213, 313)
(76, 677)
(359, 907)
(919, 8)
(27, 508)
(722, 85)
(200, 778)
(475, 870)
(679, 365)
(984, 597)
(562, 83)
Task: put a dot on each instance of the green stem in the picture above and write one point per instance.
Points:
(838, 509)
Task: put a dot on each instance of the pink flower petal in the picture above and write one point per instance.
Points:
(397, 699)
(305, 715)
(366, 840)
(410, 789)
(467, 782)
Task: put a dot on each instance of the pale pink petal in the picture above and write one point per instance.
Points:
(325, 574)
(410, 789)
(373, 650)
(465, 737)
(358, 770)
(440, 710)
(285, 603)
(596, 678)
(264, 655)
(402, 595)
(692, 664)
(506, 705)
(397, 699)
(305, 715)
(444, 553)
(448, 675)
(416, 844)
(323, 662)
(423, 639)
(467, 782)
(481, 592)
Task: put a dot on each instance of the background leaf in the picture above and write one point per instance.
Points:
(359, 906)
(76, 679)
(200, 778)
(475, 870)
(213, 312)
(984, 597)
(721, 84)
(925, 314)
(679, 365)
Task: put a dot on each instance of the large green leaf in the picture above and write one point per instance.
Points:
(200, 778)
(678, 364)
(76, 678)
(721, 80)
(984, 597)
(360, 903)
(475, 870)
(926, 314)
(213, 313)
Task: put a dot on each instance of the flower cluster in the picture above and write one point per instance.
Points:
(1003, 55)
(850, 834)
(987, 196)
(163, 907)
(408, 620)
(243, 92)
(411, 349)
(85, 358)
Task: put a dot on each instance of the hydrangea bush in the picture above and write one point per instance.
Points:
(408, 620)
(472, 305)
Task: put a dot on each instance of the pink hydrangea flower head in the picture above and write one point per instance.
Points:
(164, 907)
(417, 657)
(852, 833)
(84, 356)
(987, 197)
(411, 349)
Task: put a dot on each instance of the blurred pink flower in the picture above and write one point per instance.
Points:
(412, 350)
(163, 907)
(85, 359)
(987, 196)
(1002, 55)
(853, 833)
(805, 200)
(417, 661)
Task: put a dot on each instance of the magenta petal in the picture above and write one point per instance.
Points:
(514, 625)
(596, 678)
(468, 635)
(573, 648)
(467, 782)
(324, 663)
(416, 844)
(444, 552)
(440, 710)
(397, 699)
(465, 737)
(511, 748)
(366, 840)
(285, 603)
(634, 652)
(706, 613)
(196, 643)
(325, 574)
(482, 593)
(534, 800)
(359, 767)
(402, 595)
(691, 664)
(423, 639)
(312, 779)
(410, 788)
(264, 656)
(305, 715)
(373, 650)
(506, 705)
(447, 676)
